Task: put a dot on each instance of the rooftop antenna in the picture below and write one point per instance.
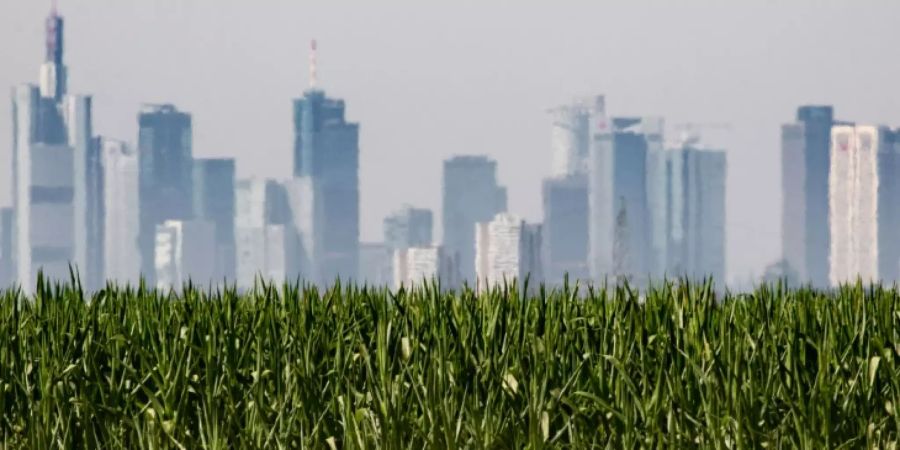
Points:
(313, 75)
(54, 7)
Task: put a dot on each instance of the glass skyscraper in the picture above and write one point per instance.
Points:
(326, 152)
(470, 195)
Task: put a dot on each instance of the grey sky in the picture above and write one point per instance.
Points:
(427, 80)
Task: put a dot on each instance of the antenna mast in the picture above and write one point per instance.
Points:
(313, 75)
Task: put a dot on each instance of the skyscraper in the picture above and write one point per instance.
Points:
(571, 134)
(565, 227)
(122, 214)
(164, 149)
(42, 194)
(326, 150)
(702, 251)
(626, 177)
(7, 227)
(470, 195)
(266, 242)
(863, 194)
(805, 146)
(56, 176)
(375, 264)
(214, 192)
(507, 249)
(408, 227)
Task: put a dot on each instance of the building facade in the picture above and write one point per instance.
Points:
(508, 250)
(805, 167)
(166, 156)
(863, 194)
(326, 152)
(184, 252)
(122, 212)
(214, 192)
(470, 195)
(413, 266)
(565, 229)
(408, 227)
(571, 134)
(626, 196)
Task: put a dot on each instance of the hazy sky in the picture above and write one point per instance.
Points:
(427, 80)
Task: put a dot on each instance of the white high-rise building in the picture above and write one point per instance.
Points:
(507, 249)
(122, 212)
(43, 185)
(185, 251)
(415, 265)
(268, 222)
(862, 195)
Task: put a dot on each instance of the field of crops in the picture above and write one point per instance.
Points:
(353, 367)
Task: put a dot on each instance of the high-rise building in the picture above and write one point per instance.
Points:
(87, 190)
(266, 240)
(416, 265)
(165, 151)
(122, 212)
(571, 135)
(184, 251)
(470, 195)
(326, 151)
(805, 147)
(42, 193)
(565, 232)
(214, 191)
(507, 249)
(695, 212)
(626, 195)
(56, 178)
(863, 194)
(408, 227)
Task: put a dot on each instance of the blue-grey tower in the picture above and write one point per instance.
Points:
(165, 169)
(214, 202)
(326, 152)
(805, 165)
(470, 195)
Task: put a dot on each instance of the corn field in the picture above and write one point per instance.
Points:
(675, 366)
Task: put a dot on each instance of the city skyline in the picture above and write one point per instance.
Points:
(502, 137)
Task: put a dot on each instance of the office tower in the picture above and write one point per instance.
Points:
(326, 151)
(805, 165)
(408, 227)
(626, 177)
(7, 228)
(56, 190)
(121, 202)
(164, 149)
(470, 195)
(565, 229)
(214, 191)
(184, 252)
(266, 243)
(88, 190)
(695, 212)
(417, 265)
(571, 134)
(507, 249)
(375, 264)
(863, 193)
(42, 193)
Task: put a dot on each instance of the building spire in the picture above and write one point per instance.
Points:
(313, 75)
